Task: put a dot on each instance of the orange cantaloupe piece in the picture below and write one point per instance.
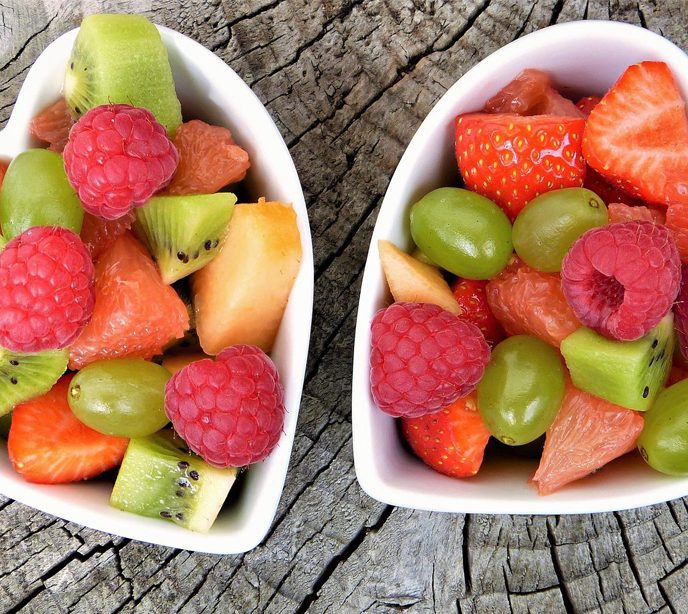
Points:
(413, 281)
(241, 295)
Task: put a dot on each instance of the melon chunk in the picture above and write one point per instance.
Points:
(240, 297)
(413, 281)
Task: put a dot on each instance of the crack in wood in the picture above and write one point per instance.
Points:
(341, 558)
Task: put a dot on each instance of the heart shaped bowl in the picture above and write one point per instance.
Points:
(209, 90)
(582, 58)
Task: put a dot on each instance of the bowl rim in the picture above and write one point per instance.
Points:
(252, 532)
(368, 473)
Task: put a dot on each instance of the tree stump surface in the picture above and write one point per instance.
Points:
(348, 82)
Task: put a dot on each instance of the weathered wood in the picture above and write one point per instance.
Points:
(348, 82)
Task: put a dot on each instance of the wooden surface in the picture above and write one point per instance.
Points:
(348, 82)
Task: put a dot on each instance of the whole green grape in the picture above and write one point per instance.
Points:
(664, 440)
(36, 192)
(123, 397)
(462, 232)
(522, 389)
(549, 225)
(418, 255)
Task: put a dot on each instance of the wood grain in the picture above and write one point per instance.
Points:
(348, 82)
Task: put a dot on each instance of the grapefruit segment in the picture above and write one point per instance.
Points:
(587, 433)
(135, 315)
(529, 302)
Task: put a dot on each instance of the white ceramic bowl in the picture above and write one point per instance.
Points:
(208, 90)
(583, 58)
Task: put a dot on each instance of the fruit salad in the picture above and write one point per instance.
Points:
(544, 303)
(139, 301)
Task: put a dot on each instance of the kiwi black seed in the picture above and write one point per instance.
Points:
(184, 233)
(26, 376)
(161, 478)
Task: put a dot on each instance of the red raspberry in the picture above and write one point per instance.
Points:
(46, 289)
(117, 157)
(423, 358)
(231, 411)
(681, 314)
(622, 279)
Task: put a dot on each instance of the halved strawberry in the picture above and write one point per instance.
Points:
(607, 191)
(511, 159)
(451, 441)
(677, 223)
(471, 296)
(587, 104)
(637, 136)
(48, 445)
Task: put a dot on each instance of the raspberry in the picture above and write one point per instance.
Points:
(230, 412)
(423, 358)
(622, 279)
(117, 157)
(46, 289)
(209, 159)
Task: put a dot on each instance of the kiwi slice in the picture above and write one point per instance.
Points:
(121, 59)
(184, 233)
(26, 376)
(627, 373)
(160, 478)
(3, 241)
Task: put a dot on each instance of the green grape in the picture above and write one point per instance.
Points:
(462, 232)
(36, 192)
(418, 255)
(549, 225)
(123, 397)
(521, 390)
(664, 440)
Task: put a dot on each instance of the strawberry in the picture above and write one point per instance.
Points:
(587, 104)
(451, 441)
(676, 375)
(637, 136)
(48, 445)
(677, 223)
(511, 159)
(471, 297)
(608, 192)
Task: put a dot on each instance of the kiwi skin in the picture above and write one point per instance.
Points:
(121, 59)
(184, 233)
(26, 376)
